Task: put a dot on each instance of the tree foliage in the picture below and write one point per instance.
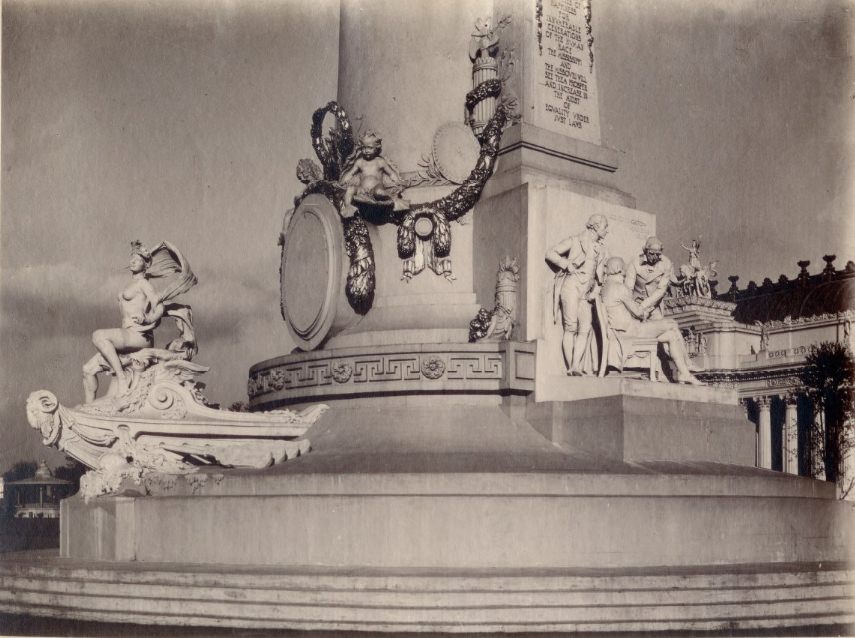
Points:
(21, 470)
(71, 471)
(829, 382)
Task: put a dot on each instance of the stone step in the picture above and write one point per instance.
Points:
(48, 565)
(409, 599)
(745, 597)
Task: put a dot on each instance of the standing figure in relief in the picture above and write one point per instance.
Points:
(629, 319)
(648, 277)
(365, 179)
(694, 254)
(579, 260)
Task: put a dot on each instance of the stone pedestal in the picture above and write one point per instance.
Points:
(639, 426)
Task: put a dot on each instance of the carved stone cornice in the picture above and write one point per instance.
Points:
(754, 374)
(681, 303)
(784, 379)
(825, 317)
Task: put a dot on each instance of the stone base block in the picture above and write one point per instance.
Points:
(645, 518)
(560, 387)
(634, 427)
(107, 525)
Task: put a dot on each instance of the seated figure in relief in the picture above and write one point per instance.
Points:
(648, 277)
(365, 181)
(629, 318)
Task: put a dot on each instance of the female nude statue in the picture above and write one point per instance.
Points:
(142, 309)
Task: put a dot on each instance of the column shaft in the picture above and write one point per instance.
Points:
(790, 438)
(818, 448)
(764, 439)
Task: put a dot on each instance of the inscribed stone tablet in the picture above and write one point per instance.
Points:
(565, 87)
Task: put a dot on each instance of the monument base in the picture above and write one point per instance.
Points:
(648, 515)
(447, 490)
(415, 480)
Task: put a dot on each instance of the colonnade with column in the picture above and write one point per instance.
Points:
(783, 422)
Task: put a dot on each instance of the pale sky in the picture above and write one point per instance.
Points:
(184, 121)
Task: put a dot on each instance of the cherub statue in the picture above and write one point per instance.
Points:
(365, 180)
(123, 350)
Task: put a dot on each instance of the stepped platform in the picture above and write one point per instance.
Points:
(709, 598)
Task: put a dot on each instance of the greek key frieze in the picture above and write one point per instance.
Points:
(394, 368)
(308, 375)
(375, 368)
(475, 366)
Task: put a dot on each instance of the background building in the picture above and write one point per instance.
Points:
(38, 496)
(756, 340)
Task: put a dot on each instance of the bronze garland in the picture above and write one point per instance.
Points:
(337, 151)
(334, 150)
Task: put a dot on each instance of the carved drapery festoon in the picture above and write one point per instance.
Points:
(424, 234)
